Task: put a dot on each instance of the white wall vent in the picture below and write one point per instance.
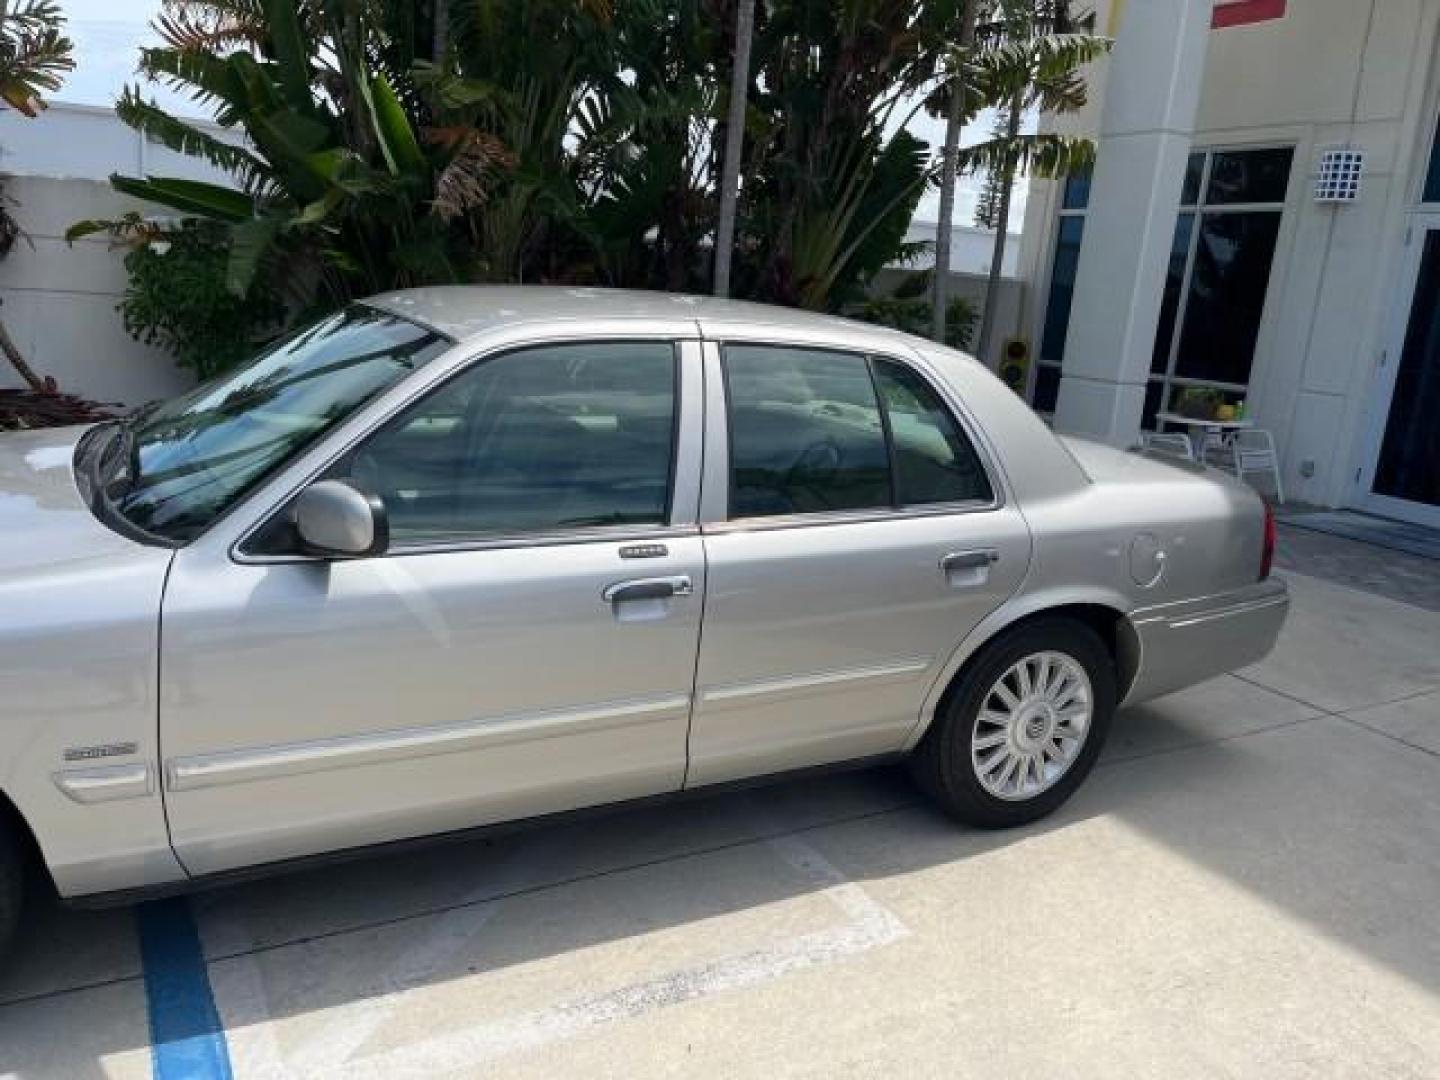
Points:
(1338, 178)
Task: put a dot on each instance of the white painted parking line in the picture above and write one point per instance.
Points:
(336, 1048)
(241, 989)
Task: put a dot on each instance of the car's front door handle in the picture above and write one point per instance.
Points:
(659, 588)
(969, 560)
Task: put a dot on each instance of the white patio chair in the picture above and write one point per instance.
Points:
(1253, 451)
(1168, 442)
(1214, 449)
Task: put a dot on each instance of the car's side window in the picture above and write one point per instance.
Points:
(934, 461)
(541, 439)
(806, 433)
(814, 430)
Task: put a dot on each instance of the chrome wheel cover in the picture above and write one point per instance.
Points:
(1033, 723)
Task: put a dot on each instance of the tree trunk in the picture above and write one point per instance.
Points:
(1002, 227)
(734, 139)
(440, 38)
(949, 164)
(34, 381)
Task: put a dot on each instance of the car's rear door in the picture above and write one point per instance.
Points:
(855, 532)
(527, 645)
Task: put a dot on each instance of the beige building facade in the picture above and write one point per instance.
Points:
(1263, 222)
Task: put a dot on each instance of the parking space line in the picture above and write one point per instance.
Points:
(187, 1041)
(340, 1036)
(869, 925)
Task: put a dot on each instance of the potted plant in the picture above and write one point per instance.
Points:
(1199, 402)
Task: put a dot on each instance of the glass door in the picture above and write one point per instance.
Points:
(1404, 477)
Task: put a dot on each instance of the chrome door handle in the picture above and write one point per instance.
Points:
(660, 588)
(969, 560)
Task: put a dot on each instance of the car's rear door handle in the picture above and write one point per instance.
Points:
(659, 588)
(978, 559)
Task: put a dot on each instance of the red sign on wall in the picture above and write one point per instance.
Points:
(1240, 12)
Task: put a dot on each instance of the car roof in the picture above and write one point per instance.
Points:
(463, 312)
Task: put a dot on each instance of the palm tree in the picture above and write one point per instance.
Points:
(734, 140)
(34, 57)
(1030, 57)
(343, 192)
(955, 117)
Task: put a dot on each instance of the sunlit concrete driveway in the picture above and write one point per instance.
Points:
(1249, 885)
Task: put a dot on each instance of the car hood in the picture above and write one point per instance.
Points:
(45, 525)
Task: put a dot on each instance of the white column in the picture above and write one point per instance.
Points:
(1151, 97)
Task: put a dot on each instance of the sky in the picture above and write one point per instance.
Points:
(109, 33)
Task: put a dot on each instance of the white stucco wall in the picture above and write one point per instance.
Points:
(1329, 72)
(971, 249)
(59, 299)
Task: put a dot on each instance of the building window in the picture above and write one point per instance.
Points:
(1431, 193)
(1074, 201)
(1219, 272)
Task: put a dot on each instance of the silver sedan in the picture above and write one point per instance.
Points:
(460, 556)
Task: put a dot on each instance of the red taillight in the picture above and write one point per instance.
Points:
(1267, 550)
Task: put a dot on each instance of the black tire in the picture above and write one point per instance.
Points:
(942, 764)
(12, 881)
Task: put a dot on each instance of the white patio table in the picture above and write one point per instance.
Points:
(1205, 433)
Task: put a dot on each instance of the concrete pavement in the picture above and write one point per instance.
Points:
(1249, 885)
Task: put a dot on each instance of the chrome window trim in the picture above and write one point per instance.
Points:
(684, 465)
(845, 517)
(715, 494)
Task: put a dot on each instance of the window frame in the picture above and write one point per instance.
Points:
(1080, 212)
(1169, 380)
(715, 488)
(682, 494)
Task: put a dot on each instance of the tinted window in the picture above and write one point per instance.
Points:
(558, 437)
(1227, 295)
(1194, 171)
(1170, 299)
(1047, 388)
(934, 461)
(1249, 176)
(1062, 289)
(1076, 193)
(805, 432)
(1432, 176)
(184, 463)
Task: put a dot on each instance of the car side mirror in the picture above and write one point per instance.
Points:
(336, 519)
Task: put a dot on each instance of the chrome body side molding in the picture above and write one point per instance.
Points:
(240, 766)
(106, 783)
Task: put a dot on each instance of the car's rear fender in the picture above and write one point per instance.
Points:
(1104, 609)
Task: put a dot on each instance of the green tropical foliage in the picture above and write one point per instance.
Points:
(908, 307)
(35, 55)
(373, 147)
(345, 185)
(179, 296)
(1029, 57)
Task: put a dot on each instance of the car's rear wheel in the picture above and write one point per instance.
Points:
(12, 880)
(1022, 728)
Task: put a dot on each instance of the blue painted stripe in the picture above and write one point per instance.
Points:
(187, 1041)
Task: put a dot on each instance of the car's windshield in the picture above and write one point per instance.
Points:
(173, 469)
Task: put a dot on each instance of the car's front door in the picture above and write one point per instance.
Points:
(861, 536)
(526, 646)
